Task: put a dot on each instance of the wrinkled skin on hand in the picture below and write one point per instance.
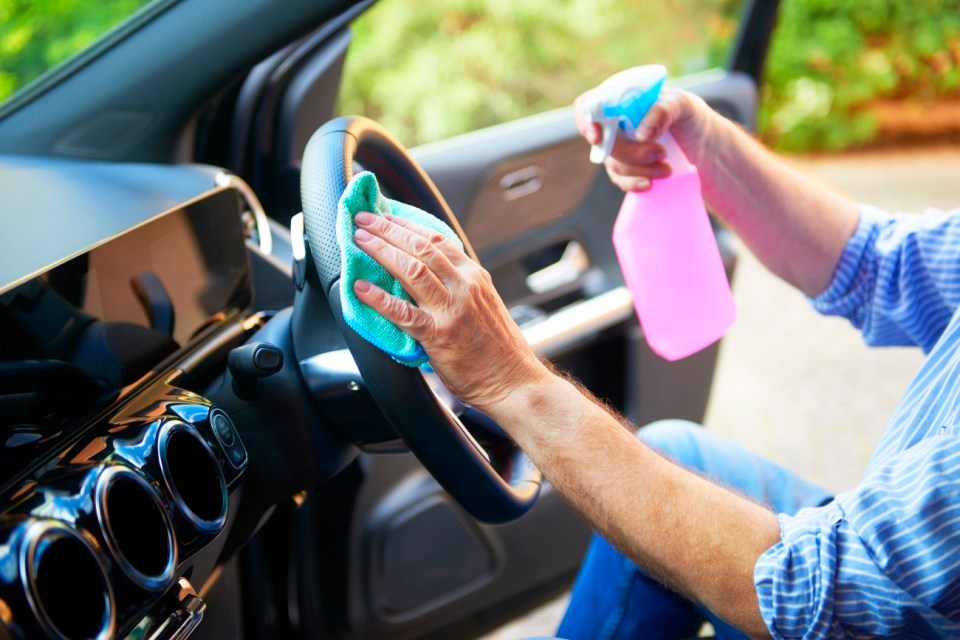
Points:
(459, 319)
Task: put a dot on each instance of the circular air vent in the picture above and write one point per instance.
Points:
(79, 607)
(193, 476)
(136, 528)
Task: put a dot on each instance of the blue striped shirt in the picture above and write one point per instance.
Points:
(883, 559)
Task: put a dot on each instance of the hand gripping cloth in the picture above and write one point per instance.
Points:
(363, 194)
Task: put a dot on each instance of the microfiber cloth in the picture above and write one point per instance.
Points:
(363, 194)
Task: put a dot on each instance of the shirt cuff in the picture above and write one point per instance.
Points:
(795, 578)
(847, 275)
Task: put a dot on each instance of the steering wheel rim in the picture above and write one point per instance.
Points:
(431, 431)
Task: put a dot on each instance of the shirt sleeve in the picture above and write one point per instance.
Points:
(897, 279)
(882, 560)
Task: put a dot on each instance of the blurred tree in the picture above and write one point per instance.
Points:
(829, 62)
(435, 68)
(462, 64)
(429, 69)
(37, 35)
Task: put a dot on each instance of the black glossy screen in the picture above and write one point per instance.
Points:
(73, 336)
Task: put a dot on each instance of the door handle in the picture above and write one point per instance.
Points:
(523, 182)
(572, 265)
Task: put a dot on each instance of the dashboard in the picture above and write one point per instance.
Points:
(167, 384)
(119, 477)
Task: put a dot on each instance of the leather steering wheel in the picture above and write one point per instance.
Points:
(494, 486)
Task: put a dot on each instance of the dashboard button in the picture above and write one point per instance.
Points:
(268, 358)
(223, 429)
(228, 438)
(238, 457)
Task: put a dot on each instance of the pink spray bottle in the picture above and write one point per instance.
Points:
(664, 242)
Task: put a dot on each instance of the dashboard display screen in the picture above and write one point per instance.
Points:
(165, 279)
(196, 254)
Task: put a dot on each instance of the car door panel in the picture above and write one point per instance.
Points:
(424, 567)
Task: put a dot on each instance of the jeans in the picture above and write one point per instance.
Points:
(613, 600)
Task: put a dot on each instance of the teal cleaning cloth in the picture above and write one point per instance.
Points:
(363, 194)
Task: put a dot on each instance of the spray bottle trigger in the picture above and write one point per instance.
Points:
(594, 109)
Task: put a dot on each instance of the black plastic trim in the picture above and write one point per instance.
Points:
(749, 54)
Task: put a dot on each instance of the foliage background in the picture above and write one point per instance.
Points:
(35, 35)
(434, 68)
(429, 69)
(831, 63)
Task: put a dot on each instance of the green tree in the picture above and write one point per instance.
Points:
(36, 35)
(429, 69)
(829, 62)
(435, 68)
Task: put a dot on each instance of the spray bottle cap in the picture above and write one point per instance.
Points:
(621, 101)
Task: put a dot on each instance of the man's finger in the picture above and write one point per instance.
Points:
(653, 171)
(655, 123)
(638, 153)
(445, 245)
(424, 247)
(589, 130)
(629, 183)
(413, 274)
(414, 321)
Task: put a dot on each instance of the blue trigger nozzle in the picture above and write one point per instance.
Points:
(621, 101)
(633, 105)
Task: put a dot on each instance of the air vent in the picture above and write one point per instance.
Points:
(136, 528)
(193, 475)
(80, 607)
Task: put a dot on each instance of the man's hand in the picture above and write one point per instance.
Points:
(796, 226)
(634, 163)
(459, 319)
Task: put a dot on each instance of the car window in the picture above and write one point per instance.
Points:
(37, 36)
(431, 69)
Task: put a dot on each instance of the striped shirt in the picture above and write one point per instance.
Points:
(883, 559)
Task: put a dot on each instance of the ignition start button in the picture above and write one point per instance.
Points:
(226, 434)
(223, 429)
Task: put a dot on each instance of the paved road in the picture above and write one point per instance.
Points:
(801, 389)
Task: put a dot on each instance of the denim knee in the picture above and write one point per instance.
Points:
(682, 440)
(732, 466)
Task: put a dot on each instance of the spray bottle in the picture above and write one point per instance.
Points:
(664, 242)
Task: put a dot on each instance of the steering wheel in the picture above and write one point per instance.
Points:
(495, 485)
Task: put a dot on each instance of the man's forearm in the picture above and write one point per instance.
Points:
(795, 225)
(698, 538)
(702, 539)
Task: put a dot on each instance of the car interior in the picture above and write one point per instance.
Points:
(194, 441)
